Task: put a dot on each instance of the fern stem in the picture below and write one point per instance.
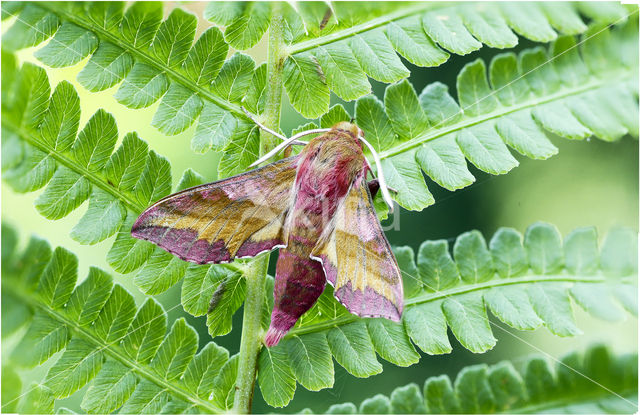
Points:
(95, 179)
(276, 55)
(582, 399)
(360, 28)
(144, 56)
(438, 131)
(113, 350)
(251, 341)
(451, 292)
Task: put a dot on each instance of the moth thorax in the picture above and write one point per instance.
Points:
(348, 128)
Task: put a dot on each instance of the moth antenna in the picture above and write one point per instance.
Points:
(314, 131)
(383, 183)
(267, 129)
(286, 142)
(264, 127)
(273, 152)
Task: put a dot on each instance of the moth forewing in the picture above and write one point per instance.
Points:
(208, 223)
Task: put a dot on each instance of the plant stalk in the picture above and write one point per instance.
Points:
(251, 341)
(276, 55)
(252, 334)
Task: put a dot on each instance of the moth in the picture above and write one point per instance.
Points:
(315, 206)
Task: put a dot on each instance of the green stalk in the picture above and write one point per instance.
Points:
(251, 341)
(256, 272)
(276, 55)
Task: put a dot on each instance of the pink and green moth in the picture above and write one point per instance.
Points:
(315, 206)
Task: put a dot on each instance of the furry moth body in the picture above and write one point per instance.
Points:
(315, 206)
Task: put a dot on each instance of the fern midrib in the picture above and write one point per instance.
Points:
(565, 92)
(359, 28)
(112, 350)
(72, 165)
(462, 289)
(581, 398)
(147, 58)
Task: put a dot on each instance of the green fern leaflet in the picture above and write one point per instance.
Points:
(123, 351)
(526, 282)
(592, 382)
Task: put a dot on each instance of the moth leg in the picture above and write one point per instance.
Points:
(374, 186)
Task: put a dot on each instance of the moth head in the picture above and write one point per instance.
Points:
(349, 128)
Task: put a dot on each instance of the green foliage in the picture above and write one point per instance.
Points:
(527, 97)
(123, 352)
(526, 283)
(152, 59)
(591, 382)
(357, 41)
(573, 90)
(329, 49)
(48, 148)
(334, 48)
(11, 387)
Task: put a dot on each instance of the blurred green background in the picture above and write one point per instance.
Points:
(589, 183)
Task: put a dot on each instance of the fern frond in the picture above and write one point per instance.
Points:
(330, 48)
(149, 58)
(41, 146)
(336, 47)
(123, 352)
(573, 90)
(526, 283)
(535, 387)
(311, 25)
(586, 89)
